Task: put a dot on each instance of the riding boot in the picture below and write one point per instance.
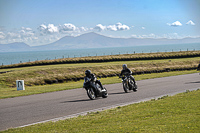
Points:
(100, 84)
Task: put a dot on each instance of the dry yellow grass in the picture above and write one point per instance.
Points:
(39, 75)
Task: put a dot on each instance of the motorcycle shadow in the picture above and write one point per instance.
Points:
(193, 82)
(77, 101)
(83, 100)
(117, 93)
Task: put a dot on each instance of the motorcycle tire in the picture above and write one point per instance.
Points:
(91, 94)
(135, 88)
(105, 94)
(125, 87)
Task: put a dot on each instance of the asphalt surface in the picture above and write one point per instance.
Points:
(22, 111)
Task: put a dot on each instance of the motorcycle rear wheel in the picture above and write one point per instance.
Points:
(91, 94)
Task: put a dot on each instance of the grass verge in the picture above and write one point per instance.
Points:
(179, 113)
(9, 92)
(50, 74)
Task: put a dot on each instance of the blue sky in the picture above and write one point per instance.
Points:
(38, 22)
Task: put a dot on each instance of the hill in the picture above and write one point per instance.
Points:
(14, 47)
(94, 40)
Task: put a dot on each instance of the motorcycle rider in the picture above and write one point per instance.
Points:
(90, 77)
(127, 70)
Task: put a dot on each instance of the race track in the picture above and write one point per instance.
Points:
(20, 111)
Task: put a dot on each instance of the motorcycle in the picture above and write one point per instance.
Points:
(93, 89)
(128, 84)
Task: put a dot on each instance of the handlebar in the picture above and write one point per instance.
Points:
(125, 75)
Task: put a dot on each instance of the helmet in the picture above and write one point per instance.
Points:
(87, 72)
(124, 66)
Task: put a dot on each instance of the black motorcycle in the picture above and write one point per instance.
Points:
(128, 84)
(93, 89)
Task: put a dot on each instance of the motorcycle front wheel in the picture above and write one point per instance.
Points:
(105, 94)
(91, 94)
(135, 88)
(126, 87)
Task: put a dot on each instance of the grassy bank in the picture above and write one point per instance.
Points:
(49, 74)
(8, 92)
(179, 113)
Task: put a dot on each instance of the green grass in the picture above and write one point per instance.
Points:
(8, 92)
(179, 113)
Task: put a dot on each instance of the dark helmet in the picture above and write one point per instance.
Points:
(87, 72)
(124, 66)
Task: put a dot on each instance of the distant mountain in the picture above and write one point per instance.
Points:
(14, 47)
(89, 40)
(94, 40)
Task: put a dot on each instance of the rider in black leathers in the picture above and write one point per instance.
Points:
(90, 77)
(127, 70)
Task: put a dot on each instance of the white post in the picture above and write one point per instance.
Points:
(20, 85)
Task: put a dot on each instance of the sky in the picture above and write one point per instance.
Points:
(39, 22)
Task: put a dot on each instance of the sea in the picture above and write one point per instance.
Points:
(8, 58)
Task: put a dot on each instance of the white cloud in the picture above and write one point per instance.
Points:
(152, 35)
(2, 35)
(47, 33)
(166, 36)
(116, 27)
(175, 24)
(146, 36)
(112, 27)
(175, 36)
(50, 29)
(26, 29)
(26, 35)
(100, 27)
(190, 23)
(26, 32)
(42, 28)
(12, 35)
(134, 36)
(143, 28)
(9, 37)
(83, 29)
(122, 26)
(67, 27)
